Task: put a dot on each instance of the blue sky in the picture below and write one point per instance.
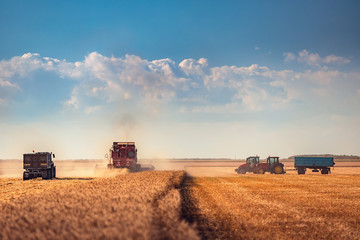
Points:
(181, 78)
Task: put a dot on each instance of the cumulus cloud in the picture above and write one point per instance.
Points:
(193, 67)
(191, 84)
(314, 59)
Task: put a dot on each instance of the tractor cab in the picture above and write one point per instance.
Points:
(273, 165)
(272, 160)
(252, 161)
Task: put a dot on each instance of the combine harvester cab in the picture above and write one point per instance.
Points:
(251, 163)
(124, 155)
(39, 164)
(272, 165)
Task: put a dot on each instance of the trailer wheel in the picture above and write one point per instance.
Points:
(324, 171)
(301, 170)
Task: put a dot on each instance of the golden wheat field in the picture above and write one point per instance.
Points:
(143, 205)
(275, 207)
(205, 202)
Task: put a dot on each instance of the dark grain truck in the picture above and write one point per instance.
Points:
(39, 164)
(317, 164)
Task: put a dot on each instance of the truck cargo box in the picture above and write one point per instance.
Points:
(314, 162)
(37, 160)
(39, 164)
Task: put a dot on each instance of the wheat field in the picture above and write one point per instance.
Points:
(143, 205)
(203, 203)
(275, 207)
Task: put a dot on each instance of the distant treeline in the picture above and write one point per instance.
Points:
(327, 155)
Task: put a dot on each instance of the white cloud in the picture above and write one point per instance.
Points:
(335, 59)
(314, 59)
(193, 67)
(72, 103)
(99, 80)
(256, 48)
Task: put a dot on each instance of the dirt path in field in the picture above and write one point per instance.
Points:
(144, 205)
(274, 207)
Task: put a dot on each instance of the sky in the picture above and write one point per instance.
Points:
(183, 79)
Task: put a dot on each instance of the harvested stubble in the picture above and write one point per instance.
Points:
(132, 206)
(274, 207)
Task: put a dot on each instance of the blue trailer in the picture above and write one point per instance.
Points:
(315, 163)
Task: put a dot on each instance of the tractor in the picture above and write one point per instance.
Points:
(272, 165)
(249, 166)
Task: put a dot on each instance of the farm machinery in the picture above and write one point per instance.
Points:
(39, 164)
(124, 155)
(253, 164)
(249, 166)
(315, 163)
(272, 165)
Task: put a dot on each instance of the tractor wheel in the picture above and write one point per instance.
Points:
(241, 171)
(278, 169)
(261, 171)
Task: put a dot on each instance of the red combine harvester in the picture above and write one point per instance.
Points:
(124, 155)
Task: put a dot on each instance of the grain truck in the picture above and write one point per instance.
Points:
(317, 164)
(39, 164)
